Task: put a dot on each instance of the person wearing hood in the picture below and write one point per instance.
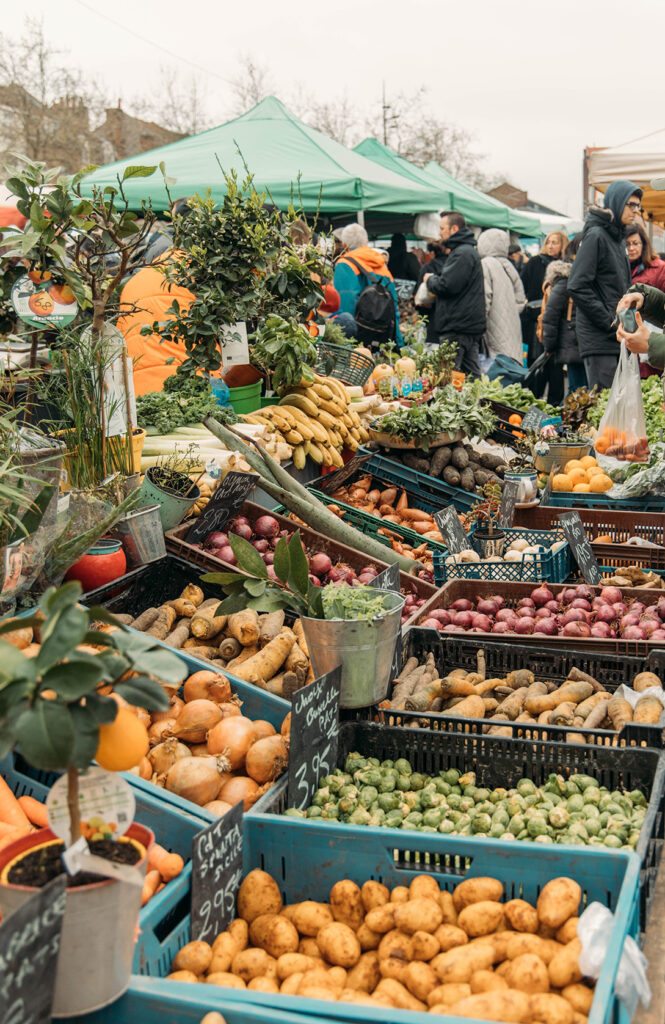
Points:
(558, 324)
(599, 277)
(352, 274)
(402, 264)
(459, 310)
(533, 275)
(504, 295)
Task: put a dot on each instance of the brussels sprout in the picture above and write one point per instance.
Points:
(453, 815)
(369, 777)
(497, 795)
(537, 827)
(470, 792)
(570, 789)
(614, 808)
(467, 780)
(387, 764)
(544, 838)
(604, 817)
(614, 842)
(313, 812)
(293, 812)
(374, 761)
(415, 817)
(481, 823)
(368, 794)
(442, 787)
(393, 819)
(592, 826)
(604, 801)
(573, 840)
(482, 794)
(507, 835)
(558, 817)
(433, 817)
(575, 802)
(402, 766)
(591, 811)
(347, 805)
(484, 808)
(554, 799)
(350, 791)
(638, 799)
(321, 797)
(466, 803)
(428, 828)
(497, 830)
(501, 817)
(429, 797)
(525, 787)
(578, 829)
(447, 827)
(418, 781)
(403, 783)
(388, 801)
(592, 795)
(377, 818)
(359, 817)
(330, 811)
(354, 762)
(451, 776)
(531, 800)
(410, 826)
(583, 781)
(515, 805)
(463, 823)
(516, 824)
(555, 784)
(456, 789)
(523, 836)
(454, 800)
(410, 799)
(387, 783)
(577, 816)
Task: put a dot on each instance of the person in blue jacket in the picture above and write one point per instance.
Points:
(349, 279)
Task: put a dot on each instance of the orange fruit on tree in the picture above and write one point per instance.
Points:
(582, 488)
(41, 303)
(37, 276)
(600, 483)
(562, 482)
(122, 742)
(572, 464)
(587, 461)
(62, 294)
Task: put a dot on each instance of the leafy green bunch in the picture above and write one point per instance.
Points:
(283, 349)
(52, 705)
(183, 401)
(448, 412)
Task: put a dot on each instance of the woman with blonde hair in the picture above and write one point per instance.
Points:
(533, 276)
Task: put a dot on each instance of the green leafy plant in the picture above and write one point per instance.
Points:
(182, 402)
(448, 412)
(52, 705)
(284, 351)
(486, 511)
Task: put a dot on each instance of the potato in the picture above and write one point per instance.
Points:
(367, 938)
(521, 916)
(509, 1006)
(262, 984)
(528, 973)
(487, 981)
(273, 933)
(545, 931)
(564, 967)
(382, 919)
(476, 890)
(551, 1008)
(420, 979)
(393, 967)
(424, 885)
(225, 947)
(579, 996)
(289, 911)
(568, 931)
(346, 903)
(381, 999)
(195, 957)
(523, 942)
(258, 894)
(309, 917)
(225, 979)
(350, 995)
(251, 963)
(182, 976)
(365, 976)
(448, 907)
(424, 946)
(239, 932)
(339, 944)
(399, 894)
(220, 962)
(374, 894)
(449, 936)
(290, 963)
(446, 995)
(460, 963)
(289, 986)
(317, 992)
(558, 900)
(320, 977)
(503, 968)
(310, 947)
(338, 976)
(422, 914)
(400, 995)
(498, 942)
(396, 943)
(481, 918)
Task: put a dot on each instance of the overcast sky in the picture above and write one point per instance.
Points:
(533, 82)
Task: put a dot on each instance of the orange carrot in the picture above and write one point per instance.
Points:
(11, 811)
(34, 810)
(168, 864)
(150, 884)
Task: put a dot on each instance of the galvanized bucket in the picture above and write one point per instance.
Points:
(142, 535)
(363, 647)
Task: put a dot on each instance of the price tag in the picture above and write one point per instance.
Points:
(314, 736)
(573, 527)
(532, 419)
(334, 480)
(225, 503)
(29, 947)
(216, 875)
(235, 349)
(389, 580)
(451, 530)
(511, 489)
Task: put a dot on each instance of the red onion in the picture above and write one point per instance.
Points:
(524, 625)
(365, 581)
(371, 570)
(487, 606)
(243, 530)
(553, 606)
(266, 526)
(629, 620)
(584, 592)
(541, 595)
(637, 608)
(481, 622)
(526, 613)
(577, 629)
(658, 635)
(216, 539)
(601, 630)
(271, 572)
(611, 594)
(634, 633)
(605, 613)
(582, 603)
(547, 626)
(452, 629)
(651, 612)
(462, 605)
(226, 555)
(320, 564)
(463, 619)
(501, 627)
(314, 580)
(543, 613)
(241, 521)
(649, 626)
(498, 599)
(430, 623)
(619, 609)
(442, 615)
(269, 557)
(261, 545)
(567, 596)
(526, 602)
(660, 607)
(505, 615)
(573, 615)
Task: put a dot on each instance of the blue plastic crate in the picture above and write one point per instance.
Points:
(428, 487)
(570, 499)
(307, 864)
(550, 567)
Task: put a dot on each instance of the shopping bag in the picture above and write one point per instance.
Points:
(622, 435)
(423, 298)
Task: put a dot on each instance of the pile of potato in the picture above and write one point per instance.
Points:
(465, 953)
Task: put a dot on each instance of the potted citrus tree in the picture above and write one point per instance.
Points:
(66, 705)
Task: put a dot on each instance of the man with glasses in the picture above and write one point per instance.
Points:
(599, 277)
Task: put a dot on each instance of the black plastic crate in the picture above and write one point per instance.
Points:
(499, 761)
(149, 586)
(455, 651)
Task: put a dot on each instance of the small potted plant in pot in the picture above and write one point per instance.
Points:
(66, 703)
(486, 537)
(355, 627)
(522, 469)
(168, 485)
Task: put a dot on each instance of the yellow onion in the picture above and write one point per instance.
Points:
(159, 731)
(195, 721)
(266, 759)
(195, 778)
(165, 754)
(207, 685)
(232, 737)
(219, 807)
(176, 706)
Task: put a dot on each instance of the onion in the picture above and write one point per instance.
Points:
(430, 623)
(165, 754)
(505, 615)
(649, 625)
(226, 555)
(261, 546)
(195, 778)
(239, 788)
(199, 749)
(463, 619)
(443, 615)
(498, 599)
(547, 626)
(577, 629)
(217, 539)
(232, 737)
(320, 564)
(263, 729)
(605, 613)
(526, 612)
(584, 592)
(315, 581)
(243, 530)
(218, 807)
(487, 607)
(634, 633)
(658, 635)
(176, 706)
(266, 759)
(266, 526)
(524, 625)
(553, 606)
(611, 594)
(371, 570)
(286, 727)
(206, 685)
(582, 603)
(637, 608)
(660, 607)
(269, 558)
(567, 596)
(601, 630)
(143, 769)
(629, 620)
(541, 595)
(270, 569)
(229, 709)
(451, 628)
(159, 731)
(241, 521)
(195, 720)
(526, 602)
(501, 627)
(481, 622)
(462, 605)
(573, 615)
(543, 613)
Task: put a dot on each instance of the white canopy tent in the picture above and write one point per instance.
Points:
(638, 161)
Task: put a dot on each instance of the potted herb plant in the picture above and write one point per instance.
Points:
(355, 627)
(64, 708)
(490, 540)
(168, 485)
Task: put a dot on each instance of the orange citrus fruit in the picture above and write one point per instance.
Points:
(62, 294)
(515, 419)
(587, 461)
(600, 483)
(573, 464)
(562, 482)
(578, 476)
(122, 742)
(582, 488)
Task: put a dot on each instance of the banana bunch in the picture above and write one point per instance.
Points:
(316, 420)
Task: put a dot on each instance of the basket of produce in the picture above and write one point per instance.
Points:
(611, 618)
(529, 556)
(578, 714)
(329, 561)
(304, 863)
(435, 474)
(345, 363)
(561, 454)
(451, 412)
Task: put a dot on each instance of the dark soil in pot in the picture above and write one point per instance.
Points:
(173, 482)
(37, 867)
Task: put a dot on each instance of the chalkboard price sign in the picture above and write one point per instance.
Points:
(573, 527)
(511, 489)
(389, 580)
(216, 875)
(334, 480)
(223, 506)
(533, 418)
(314, 736)
(29, 946)
(451, 530)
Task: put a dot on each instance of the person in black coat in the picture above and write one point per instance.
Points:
(533, 276)
(459, 310)
(558, 326)
(402, 264)
(600, 276)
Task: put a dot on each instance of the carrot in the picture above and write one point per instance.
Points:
(167, 864)
(150, 884)
(34, 810)
(11, 811)
(268, 662)
(416, 513)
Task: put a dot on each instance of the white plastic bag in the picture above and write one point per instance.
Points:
(594, 929)
(622, 435)
(423, 297)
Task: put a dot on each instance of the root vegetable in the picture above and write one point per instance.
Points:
(195, 778)
(205, 624)
(218, 807)
(230, 648)
(145, 619)
(232, 737)
(163, 622)
(271, 627)
(196, 720)
(619, 712)
(266, 759)
(267, 663)
(177, 637)
(244, 626)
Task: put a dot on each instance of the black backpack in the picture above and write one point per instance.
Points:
(375, 309)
